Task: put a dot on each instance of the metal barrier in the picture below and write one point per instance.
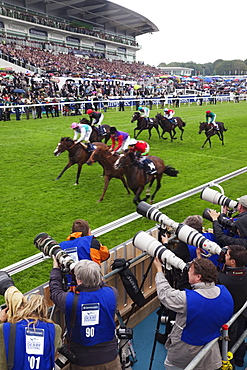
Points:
(37, 258)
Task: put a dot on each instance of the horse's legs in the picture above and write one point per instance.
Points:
(207, 139)
(171, 136)
(157, 130)
(137, 199)
(149, 133)
(138, 133)
(182, 132)
(65, 168)
(107, 180)
(162, 135)
(158, 186)
(78, 173)
(221, 137)
(174, 133)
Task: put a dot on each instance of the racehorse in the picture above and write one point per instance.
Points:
(143, 124)
(103, 156)
(168, 126)
(95, 135)
(137, 178)
(210, 131)
(77, 154)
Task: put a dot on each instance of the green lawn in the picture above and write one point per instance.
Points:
(32, 202)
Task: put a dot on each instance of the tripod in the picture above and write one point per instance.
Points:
(160, 313)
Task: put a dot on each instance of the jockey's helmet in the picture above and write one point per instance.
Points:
(74, 125)
(132, 142)
(89, 111)
(208, 111)
(113, 130)
(166, 110)
(140, 108)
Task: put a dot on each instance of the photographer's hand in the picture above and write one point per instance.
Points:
(214, 215)
(4, 315)
(164, 239)
(158, 264)
(55, 263)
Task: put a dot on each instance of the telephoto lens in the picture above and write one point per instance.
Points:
(216, 197)
(152, 213)
(47, 245)
(154, 248)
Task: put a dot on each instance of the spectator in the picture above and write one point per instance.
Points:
(121, 103)
(193, 329)
(234, 277)
(91, 336)
(122, 138)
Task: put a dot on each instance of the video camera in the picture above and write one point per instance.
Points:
(184, 233)
(47, 245)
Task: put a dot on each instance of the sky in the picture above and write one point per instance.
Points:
(191, 30)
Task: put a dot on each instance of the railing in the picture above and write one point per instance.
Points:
(37, 258)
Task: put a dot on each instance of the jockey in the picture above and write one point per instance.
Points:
(85, 131)
(169, 113)
(210, 119)
(141, 148)
(96, 118)
(121, 137)
(144, 112)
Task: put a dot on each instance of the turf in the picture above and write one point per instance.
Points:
(33, 202)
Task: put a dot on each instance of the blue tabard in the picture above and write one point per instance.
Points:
(94, 321)
(82, 245)
(34, 349)
(118, 133)
(206, 316)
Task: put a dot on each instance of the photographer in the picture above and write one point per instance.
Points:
(86, 245)
(199, 315)
(240, 224)
(234, 277)
(28, 326)
(89, 314)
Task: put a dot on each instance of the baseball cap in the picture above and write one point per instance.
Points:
(243, 200)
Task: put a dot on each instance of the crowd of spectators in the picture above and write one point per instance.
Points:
(57, 23)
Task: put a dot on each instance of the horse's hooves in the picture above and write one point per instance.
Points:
(100, 200)
(175, 138)
(75, 183)
(57, 179)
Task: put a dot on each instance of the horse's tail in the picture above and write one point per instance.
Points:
(170, 171)
(184, 123)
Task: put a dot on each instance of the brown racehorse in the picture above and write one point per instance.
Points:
(137, 178)
(77, 154)
(210, 131)
(106, 159)
(168, 126)
(142, 124)
(95, 135)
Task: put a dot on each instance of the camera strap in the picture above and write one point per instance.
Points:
(11, 353)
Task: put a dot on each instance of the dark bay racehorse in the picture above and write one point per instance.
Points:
(168, 126)
(137, 178)
(210, 131)
(142, 124)
(103, 156)
(95, 135)
(77, 154)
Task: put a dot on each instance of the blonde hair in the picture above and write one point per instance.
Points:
(32, 309)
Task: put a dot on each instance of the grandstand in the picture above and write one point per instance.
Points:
(90, 28)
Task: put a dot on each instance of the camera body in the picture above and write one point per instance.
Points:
(226, 222)
(65, 356)
(124, 333)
